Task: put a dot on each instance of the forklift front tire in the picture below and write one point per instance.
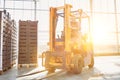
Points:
(51, 70)
(78, 64)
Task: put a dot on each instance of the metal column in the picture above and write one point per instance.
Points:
(35, 6)
(4, 5)
(116, 24)
(91, 18)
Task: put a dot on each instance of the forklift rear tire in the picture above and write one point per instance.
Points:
(51, 70)
(92, 62)
(78, 64)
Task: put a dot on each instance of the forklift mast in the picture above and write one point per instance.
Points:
(53, 22)
(69, 20)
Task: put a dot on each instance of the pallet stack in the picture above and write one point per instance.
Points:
(13, 43)
(6, 25)
(27, 43)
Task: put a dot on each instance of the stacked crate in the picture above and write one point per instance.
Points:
(5, 41)
(27, 42)
(13, 43)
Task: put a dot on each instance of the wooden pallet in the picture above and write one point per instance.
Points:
(5, 69)
(1, 72)
(13, 63)
(27, 65)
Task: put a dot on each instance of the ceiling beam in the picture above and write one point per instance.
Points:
(25, 9)
(22, 0)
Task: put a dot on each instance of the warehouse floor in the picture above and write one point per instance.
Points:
(106, 68)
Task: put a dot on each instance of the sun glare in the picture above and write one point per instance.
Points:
(99, 33)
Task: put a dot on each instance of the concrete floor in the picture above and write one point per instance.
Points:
(106, 68)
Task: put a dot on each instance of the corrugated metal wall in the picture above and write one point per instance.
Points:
(104, 25)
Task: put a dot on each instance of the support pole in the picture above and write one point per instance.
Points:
(91, 25)
(91, 18)
(64, 2)
(35, 6)
(4, 5)
(116, 24)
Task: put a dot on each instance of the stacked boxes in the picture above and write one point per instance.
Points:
(27, 42)
(13, 43)
(6, 25)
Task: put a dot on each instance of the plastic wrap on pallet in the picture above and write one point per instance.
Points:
(6, 40)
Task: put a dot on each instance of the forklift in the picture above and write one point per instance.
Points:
(70, 49)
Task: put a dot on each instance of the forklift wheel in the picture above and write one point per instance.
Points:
(92, 62)
(51, 70)
(78, 64)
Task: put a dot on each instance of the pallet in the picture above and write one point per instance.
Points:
(1, 72)
(27, 65)
(5, 69)
(13, 63)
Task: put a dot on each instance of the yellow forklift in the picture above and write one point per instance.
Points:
(70, 48)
